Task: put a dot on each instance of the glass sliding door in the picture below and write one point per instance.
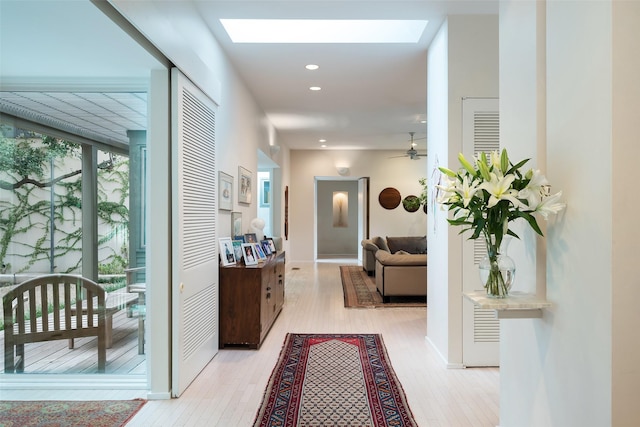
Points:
(42, 228)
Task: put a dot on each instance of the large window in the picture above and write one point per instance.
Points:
(41, 232)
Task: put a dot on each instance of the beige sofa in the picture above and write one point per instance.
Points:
(401, 274)
(398, 263)
(369, 249)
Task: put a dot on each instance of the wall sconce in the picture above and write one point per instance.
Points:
(342, 170)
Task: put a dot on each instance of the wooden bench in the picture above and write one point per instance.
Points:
(114, 302)
(84, 315)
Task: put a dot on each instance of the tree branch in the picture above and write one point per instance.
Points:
(26, 180)
(108, 164)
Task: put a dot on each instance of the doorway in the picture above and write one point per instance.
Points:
(341, 217)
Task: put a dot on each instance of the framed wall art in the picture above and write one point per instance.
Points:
(225, 191)
(245, 185)
(236, 224)
(265, 193)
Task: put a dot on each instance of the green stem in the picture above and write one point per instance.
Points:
(496, 285)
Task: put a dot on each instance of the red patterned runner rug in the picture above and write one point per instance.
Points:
(334, 380)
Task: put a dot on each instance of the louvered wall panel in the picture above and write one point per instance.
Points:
(201, 316)
(486, 138)
(199, 182)
(486, 131)
(479, 250)
(486, 328)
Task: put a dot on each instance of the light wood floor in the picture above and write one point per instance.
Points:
(228, 391)
(55, 357)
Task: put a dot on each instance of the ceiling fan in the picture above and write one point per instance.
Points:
(412, 153)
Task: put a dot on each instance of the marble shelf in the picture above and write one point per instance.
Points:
(518, 305)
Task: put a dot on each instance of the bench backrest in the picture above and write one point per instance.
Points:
(54, 307)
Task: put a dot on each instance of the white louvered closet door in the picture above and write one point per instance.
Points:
(480, 328)
(194, 246)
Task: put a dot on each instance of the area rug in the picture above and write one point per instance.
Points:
(360, 291)
(68, 413)
(334, 380)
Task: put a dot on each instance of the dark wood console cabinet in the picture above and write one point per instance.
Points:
(251, 297)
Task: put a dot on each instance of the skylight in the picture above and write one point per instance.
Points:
(323, 31)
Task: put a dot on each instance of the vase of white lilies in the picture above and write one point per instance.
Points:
(485, 197)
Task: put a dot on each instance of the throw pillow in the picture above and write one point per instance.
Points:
(380, 243)
(411, 244)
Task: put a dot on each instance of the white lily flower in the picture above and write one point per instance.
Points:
(467, 191)
(494, 161)
(534, 192)
(474, 193)
(500, 189)
(550, 205)
(533, 198)
(448, 190)
(537, 181)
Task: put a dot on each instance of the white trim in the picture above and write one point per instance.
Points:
(73, 84)
(72, 382)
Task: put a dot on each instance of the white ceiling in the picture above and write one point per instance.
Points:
(372, 95)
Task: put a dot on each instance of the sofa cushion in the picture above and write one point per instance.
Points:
(411, 244)
(389, 259)
(369, 245)
(380, 243)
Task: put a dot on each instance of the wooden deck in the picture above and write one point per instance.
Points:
(55, 357)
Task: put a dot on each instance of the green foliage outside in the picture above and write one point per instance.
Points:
(25, 162)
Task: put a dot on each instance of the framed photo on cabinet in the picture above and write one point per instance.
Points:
(260, 252)
(249, 254)
(227, 254)
(225, 191)
(245, 188)
(272, 244)
(266, 247)
(237, 249)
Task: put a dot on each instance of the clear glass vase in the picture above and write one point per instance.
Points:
(497, 269)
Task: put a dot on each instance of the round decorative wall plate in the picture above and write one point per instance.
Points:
(389, 198)
(411, 203)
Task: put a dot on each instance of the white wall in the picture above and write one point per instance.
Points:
(241, 130)
(625, 351)
(463, 59)
(401, 173)
(241, 126)
(438, 230)
(575, 88)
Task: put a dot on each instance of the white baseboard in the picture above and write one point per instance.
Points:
(444, 359)
(158, 396)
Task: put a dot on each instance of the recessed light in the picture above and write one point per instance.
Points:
(315, 88)
(322, 140)
(324, 146)
(312, 67)
(423, 121)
